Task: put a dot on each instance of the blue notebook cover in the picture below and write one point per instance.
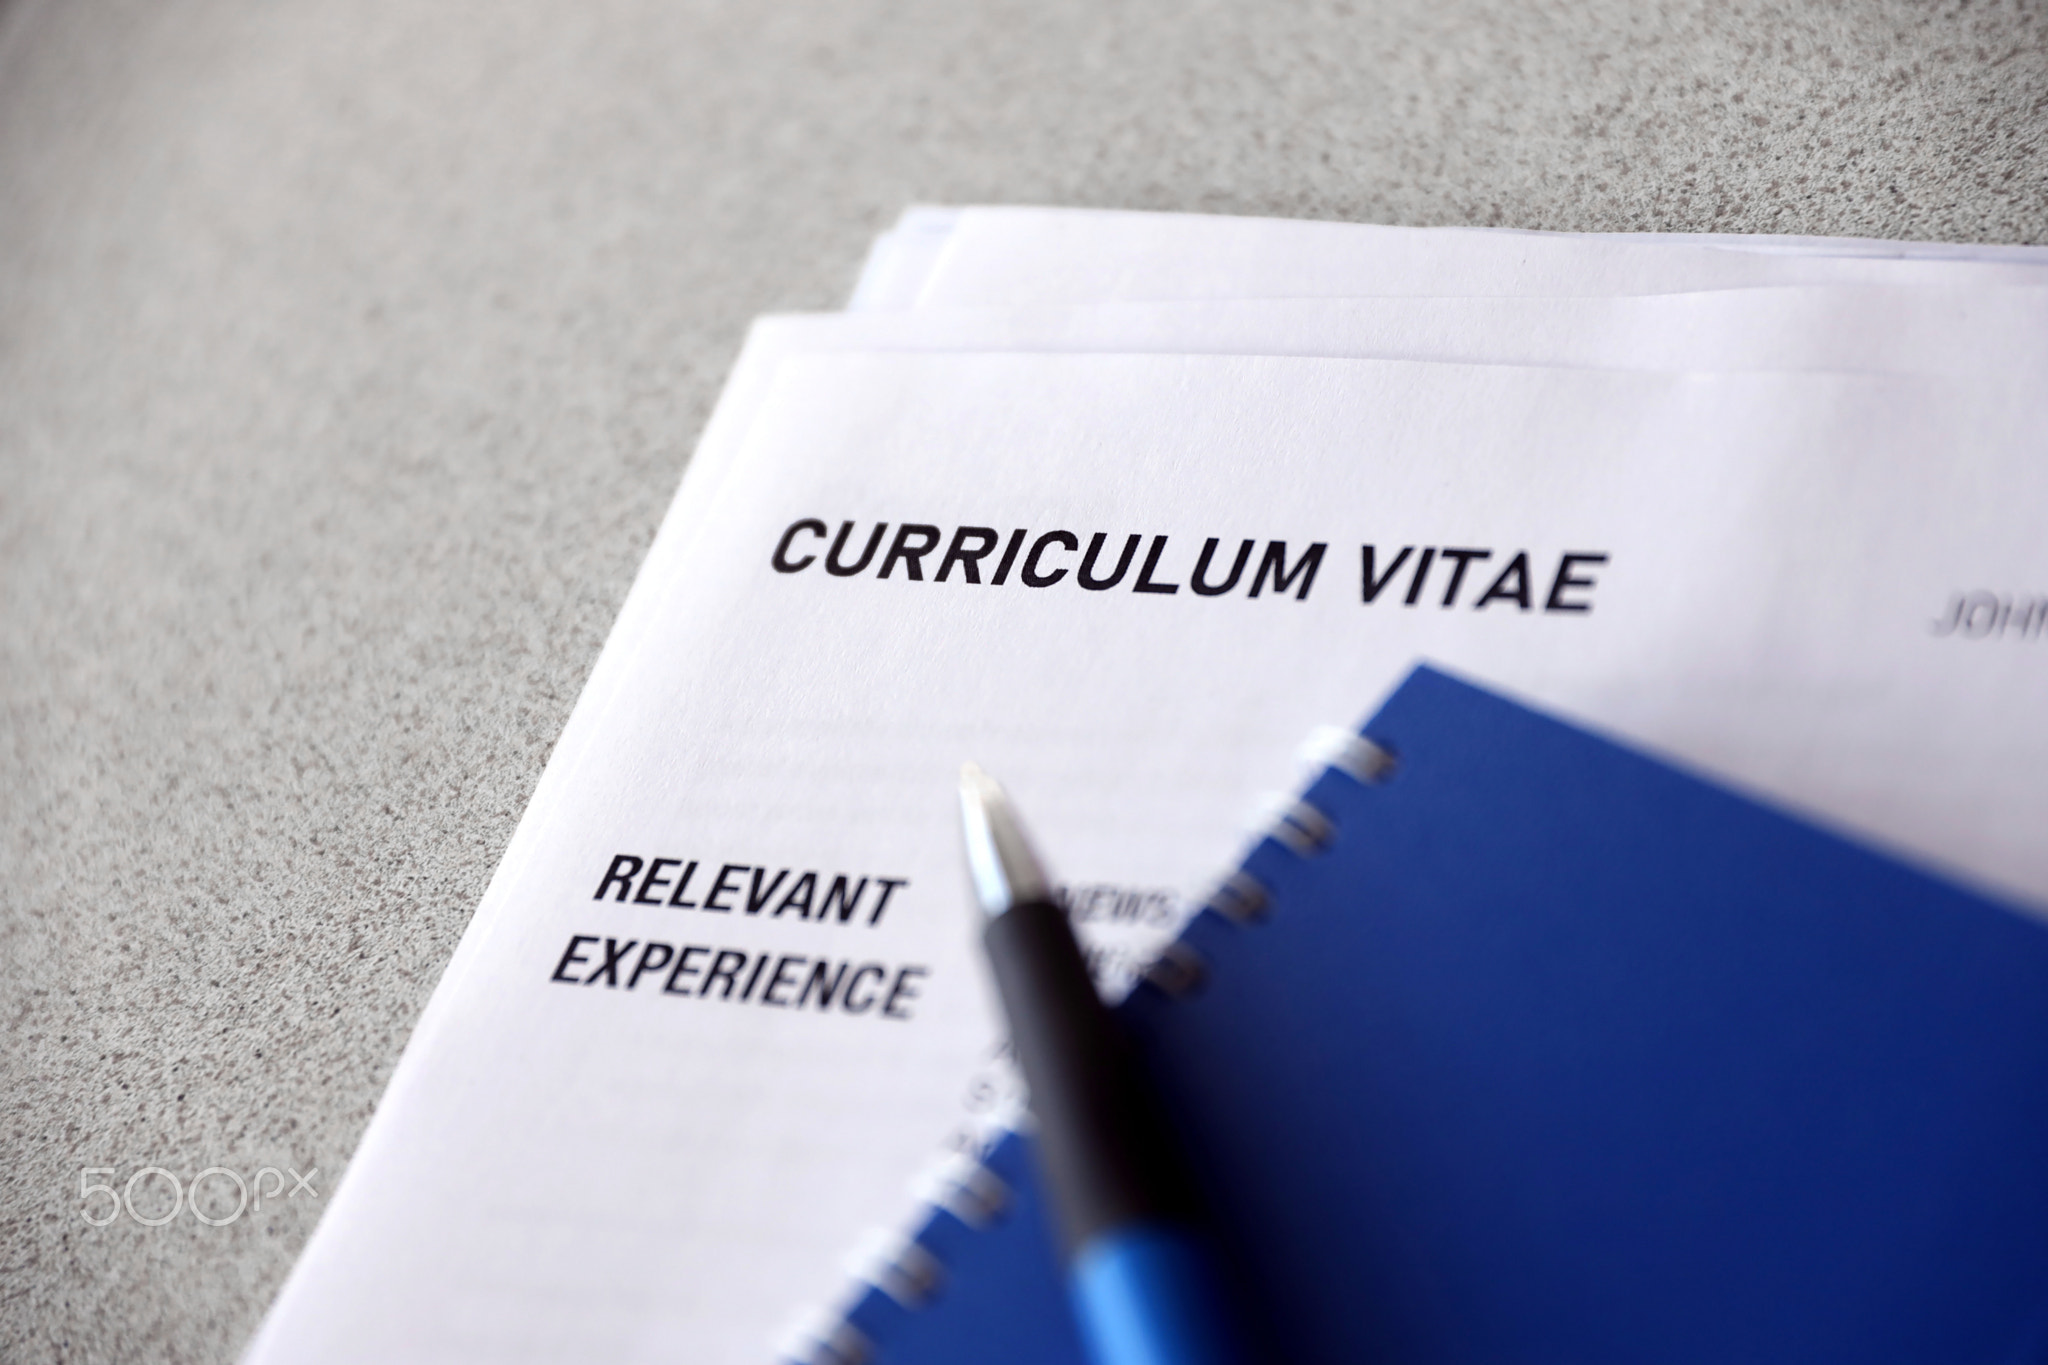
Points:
(1551, 1052)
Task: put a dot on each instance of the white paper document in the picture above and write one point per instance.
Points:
(1884, 329)
(1023, 257)
(722, 1000)
(904, 258)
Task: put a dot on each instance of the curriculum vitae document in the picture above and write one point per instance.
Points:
(1879, 329)
(722, 1001)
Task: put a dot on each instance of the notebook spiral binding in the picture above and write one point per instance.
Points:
(969, 1189)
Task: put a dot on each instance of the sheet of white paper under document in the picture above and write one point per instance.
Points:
(1012, 257)
(901, 258)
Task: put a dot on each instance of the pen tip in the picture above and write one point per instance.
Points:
(1000, 860)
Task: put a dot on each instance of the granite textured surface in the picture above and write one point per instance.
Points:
(349, 353)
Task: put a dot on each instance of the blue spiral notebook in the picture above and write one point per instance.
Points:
(1530, 1048)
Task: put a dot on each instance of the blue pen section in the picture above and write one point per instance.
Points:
(1144, 1296)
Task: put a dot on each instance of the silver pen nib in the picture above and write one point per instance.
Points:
(1005, 870)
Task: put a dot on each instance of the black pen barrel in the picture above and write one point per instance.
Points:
(1105, 1150)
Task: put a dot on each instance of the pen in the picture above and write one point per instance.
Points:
(1142, 1290)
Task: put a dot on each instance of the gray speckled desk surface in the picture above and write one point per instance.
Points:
(350, 352)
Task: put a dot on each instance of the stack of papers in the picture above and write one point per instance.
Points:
(1123, 506)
